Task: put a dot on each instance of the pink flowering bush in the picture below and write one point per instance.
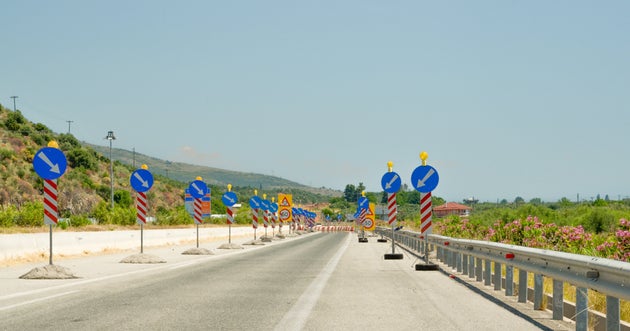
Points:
(532, 232)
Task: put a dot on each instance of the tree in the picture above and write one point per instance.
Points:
(519, 200)
(350, 193)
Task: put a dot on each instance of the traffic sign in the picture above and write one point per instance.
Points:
(265, 204)
(363, 202)
(255, 202)
(391, 182)
(273, 207)
(141, 180)
(425, 178)
(50, 163)
(198, 189)
(229, 198)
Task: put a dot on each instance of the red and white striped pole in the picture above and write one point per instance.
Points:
(141, 208)
(230, 215)
(426, 211)
(141, 215)
(51, 214)
(392, 208)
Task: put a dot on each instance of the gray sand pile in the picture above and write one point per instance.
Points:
(142, 258)
(197, 251)
(50, 271)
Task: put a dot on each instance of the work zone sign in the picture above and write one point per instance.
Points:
(369, 223)
(285, 203)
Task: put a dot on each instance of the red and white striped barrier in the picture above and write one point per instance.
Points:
(198, 211)
(230, 215)
(50, 202)
(255, 218)
(141, 208)
(426, 210)
(392, 208)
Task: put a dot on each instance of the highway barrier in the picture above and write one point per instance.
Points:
(479, 259)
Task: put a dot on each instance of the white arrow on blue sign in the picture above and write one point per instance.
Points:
(265, 204)
(198, 189)
(391, 182)
(425, 178)
(50, 163)
(273, 207)
(363, 202)
(229, 198)
(141, 180)
(255, 202)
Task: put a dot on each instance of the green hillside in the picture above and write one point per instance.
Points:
(85, 191)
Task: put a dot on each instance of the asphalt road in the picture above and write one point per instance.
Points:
(325, 281)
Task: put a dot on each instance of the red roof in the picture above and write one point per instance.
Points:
(451, 206)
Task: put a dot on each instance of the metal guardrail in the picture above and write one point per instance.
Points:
(475, 258)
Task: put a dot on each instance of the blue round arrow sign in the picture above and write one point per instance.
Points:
(141, 180)
(198, 189)
(273, 207)
(50, 163)
(391, 182)
(229, 198)
(255, 202)
(425, 178)
(363, 202)
(265, 204)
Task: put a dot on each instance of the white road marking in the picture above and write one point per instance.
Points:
(296, 318)
(36, 300)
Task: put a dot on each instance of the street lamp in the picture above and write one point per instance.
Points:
(110, 137)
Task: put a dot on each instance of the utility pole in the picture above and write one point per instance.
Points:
(69, 126)
(14, 97)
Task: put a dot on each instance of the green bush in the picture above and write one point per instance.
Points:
(31, 214)
(8, 215)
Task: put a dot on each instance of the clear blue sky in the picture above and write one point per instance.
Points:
(509, 98)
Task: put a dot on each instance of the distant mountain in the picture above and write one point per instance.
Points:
(184, 172)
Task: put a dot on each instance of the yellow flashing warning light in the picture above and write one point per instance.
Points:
(424, 156)
(53, 144)
(390, 166)
(229, 187)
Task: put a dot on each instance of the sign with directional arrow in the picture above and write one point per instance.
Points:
(229, 198)
(198, 189)
(255, 202)
(141, 180)
(50, 163)
(425, 178)
(391, 182)
(363, 202)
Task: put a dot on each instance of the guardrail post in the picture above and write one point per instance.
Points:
(465, 264)
(509, 280)
(538, 292)
(522, 285)
(471, 266)
(487, 273)
(612, 313)
(458, 261)
(479, 269)
(581, 309)
(497, 276)
(448, 256)
(558, 299)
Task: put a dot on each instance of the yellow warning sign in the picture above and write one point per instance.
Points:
(370, 223)
(285, 203)
(285, 200)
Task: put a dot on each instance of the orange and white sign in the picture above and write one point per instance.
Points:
(369, 222)
(285, 203)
